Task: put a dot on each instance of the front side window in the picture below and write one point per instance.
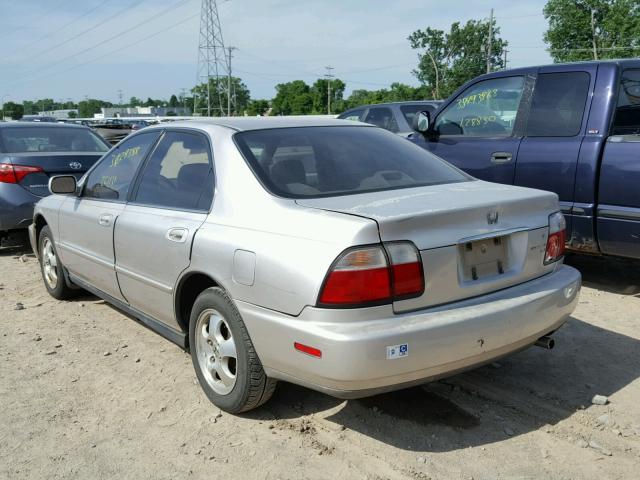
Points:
(179, 174)
(627, 117)
(308, 162)
(354, 115)
(112, 177)
(382, 117)
(485, 109)
(51, 139)
(559, 100)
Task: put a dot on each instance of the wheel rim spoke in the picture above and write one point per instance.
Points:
(227, 378)
(228, 348)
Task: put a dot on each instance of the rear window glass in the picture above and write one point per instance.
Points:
(50, 139)
(307, 162)
(627, 117)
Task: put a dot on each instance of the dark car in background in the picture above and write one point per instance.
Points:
(32, 152)
(397, 117)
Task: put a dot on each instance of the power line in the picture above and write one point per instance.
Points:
(118, 35)
(33, 22)
(47, 35)
(118, 50)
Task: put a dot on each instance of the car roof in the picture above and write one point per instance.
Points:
(241, 124)
(40, 125)
(406, 102)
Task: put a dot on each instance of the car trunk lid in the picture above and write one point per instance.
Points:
(64, 163)
(474, 237)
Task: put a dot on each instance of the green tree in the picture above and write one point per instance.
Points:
(135, 102)
(257, 107)
(86, 108)
(292, 98)
(13, 110)
(398, 92)
(173, 101)
(217, 94)
(319, 92)
(592, 29)
(456, 56)
(73, 114)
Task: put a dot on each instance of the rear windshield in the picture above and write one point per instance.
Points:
(627, 117)
(307, 162)
(50, 139)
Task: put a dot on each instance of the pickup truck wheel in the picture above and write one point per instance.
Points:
(51, 267)
(225, 361)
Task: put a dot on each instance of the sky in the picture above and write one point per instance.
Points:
(73, 49)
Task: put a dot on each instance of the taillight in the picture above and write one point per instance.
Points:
(557, 238)
(15, 173)
(366, 276)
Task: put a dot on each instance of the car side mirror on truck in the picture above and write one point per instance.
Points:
(421, 122)
(62, 184)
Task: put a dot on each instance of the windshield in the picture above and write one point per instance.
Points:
(307, 162)
(50, 139)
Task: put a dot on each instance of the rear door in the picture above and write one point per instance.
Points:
(555, 129)
(619, 200)
(479, 131)
(87, 222)
(154, 234)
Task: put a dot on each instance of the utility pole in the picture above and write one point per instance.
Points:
(505, 58)
(231, 49)
(490, 43)
(593, 34)
(329, 76)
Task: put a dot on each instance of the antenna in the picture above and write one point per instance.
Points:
(212, 57)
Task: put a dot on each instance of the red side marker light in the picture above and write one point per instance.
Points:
(314, 352)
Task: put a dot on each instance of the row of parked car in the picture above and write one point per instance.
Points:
(335, 254)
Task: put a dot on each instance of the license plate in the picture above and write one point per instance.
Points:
(484, 258)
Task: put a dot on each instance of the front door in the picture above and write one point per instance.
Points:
(154, 234)
(477, 132)
(87, 222)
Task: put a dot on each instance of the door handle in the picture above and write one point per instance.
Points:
(105, 219)
(501, 157)
(177, 234)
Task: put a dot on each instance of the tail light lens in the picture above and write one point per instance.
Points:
(15, 173)
(557, 238)
(366, 276)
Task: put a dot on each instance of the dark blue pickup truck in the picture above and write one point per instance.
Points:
(573, 129)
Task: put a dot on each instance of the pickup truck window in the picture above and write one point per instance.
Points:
(627, 116)
(558, 104)
(485, 109)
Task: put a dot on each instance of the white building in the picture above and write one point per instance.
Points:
(109, 112)
(58, 113)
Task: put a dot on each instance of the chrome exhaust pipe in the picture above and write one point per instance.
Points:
(545, 342)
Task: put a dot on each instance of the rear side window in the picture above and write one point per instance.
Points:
(50, 139)
(308, 162)
(179, 174)
(627, 117)
(559, 100)
(112, 177)
(382, 117)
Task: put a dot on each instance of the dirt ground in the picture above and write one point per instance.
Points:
(85, 392)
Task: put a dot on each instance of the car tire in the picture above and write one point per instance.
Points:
(225, 361)
(51, 267)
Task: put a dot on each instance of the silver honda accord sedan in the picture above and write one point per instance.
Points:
(327, 253)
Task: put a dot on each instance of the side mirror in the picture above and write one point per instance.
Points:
(421, 121)
(62, 184)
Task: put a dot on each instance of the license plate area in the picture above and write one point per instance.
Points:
(484, 259)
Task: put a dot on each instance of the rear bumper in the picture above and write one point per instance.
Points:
(440, 340)
(16, 207)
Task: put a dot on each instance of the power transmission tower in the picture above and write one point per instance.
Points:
(212, 56)
(119, 98)
(230, 49)
(329, 76)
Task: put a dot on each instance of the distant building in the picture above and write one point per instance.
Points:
(58, 113)
(110, 112)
